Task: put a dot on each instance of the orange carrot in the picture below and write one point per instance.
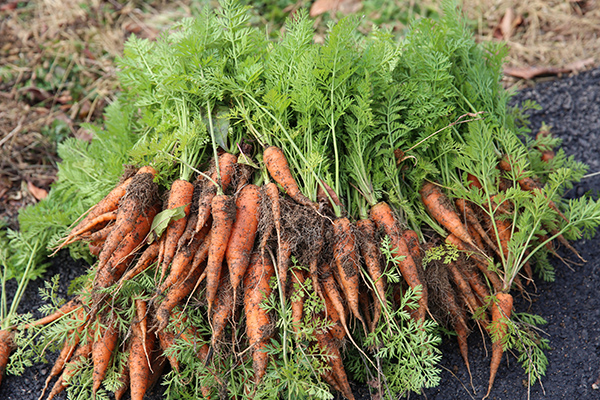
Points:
(258, 321)
(384, 218)
(345, 255)
(460, 327)
(279, 169)
(143, 263)
(124, 380)
(179, 196)
(373, 261)
(333, 300)
(501, 310)
(463, 286)
(174, 296)
(328, 346)
(243, 234)
(72, 367)
(141, 196)
(102, 350)
(124, 252)
(142, 344)
(227, 164)
(6, 347)
(297, 296)
(474, 182)
(224, 305)
(478, 259)
(471, 217)
(166, 340)
(223, 213)
(440, 208)
(66, 308)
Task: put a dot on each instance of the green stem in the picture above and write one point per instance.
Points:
(22, 283)
(214, 146)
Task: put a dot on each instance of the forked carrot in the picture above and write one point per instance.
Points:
(227, 164)
(83, 351)
(501, 310)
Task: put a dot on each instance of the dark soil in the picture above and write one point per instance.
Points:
(571, 304)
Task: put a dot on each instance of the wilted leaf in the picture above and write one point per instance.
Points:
(163, 219)
(507, 25)
(36, 192)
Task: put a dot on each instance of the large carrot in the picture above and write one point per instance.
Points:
(384, 218)
(180, 195)
(501, 310)
(258, 321)
(347, 261)
(243, 234)
(142, 345)
(440, 208)
(223, 213)
(227, 164)
(102, 350)
(279, 169)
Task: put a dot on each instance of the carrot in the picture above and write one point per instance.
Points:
(123, 253)
(478, 259)
(100, 235)
(6, 347)
(440, 208)
(227, 164)
(202, 252)
(166, 340)
(501, 310)
(243, 234)
(174, 296)
(183, 260)
(345, 255)
(143, 263)
(334, 358)
(124, 380)
(463, 286)
(384, 218)
(142, 344)
(471, 217)
(279, 169)
(327, 196)
(93, 224)
(461, 329)
(95, 248)
(224, 305)
(258, 321)
(102, 350)
(179, 196)
(223, 212)
(334, 302)
(66, 308)
(474, 182)
(373, 261)
(297, 297)
(82, 352)
(141, 196)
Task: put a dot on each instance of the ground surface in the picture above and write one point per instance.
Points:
(571, 305)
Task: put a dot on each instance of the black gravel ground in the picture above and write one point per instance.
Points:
(571, 304)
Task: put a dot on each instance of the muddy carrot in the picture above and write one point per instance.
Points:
(142, 345)
(501, 310)
(374, 263)
(102, 350)
(279, 169)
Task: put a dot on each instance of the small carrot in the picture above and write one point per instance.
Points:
(384, 218)
(501, 310)
(258, 322)
(279, 169)
(180, 195)
(101, 235)
(463, 286)
(143, 263)
(243, 234)
(82, 352)
(227, 164)
(345, 255)
(102, 350)
(440, 208)
(334, 301)
(297, 296)
(224, 305)
(66, 308)
(123, 380)
(473, 182)
(461, 329)
(223, 212)
(471, 217)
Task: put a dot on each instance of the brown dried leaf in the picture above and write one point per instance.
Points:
(344, 6)
(507, 25)
(36, 192)
(532, 72)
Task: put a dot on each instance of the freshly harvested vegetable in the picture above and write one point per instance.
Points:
(501, 311)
